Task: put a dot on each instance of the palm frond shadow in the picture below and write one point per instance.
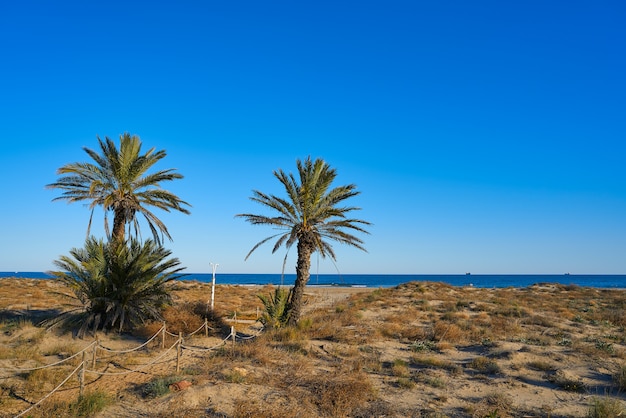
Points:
(36, 316)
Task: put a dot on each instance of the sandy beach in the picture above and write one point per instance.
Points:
(417, 350)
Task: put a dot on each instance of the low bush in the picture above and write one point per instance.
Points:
(158, 387)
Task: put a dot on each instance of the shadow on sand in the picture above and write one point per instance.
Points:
(35, 316)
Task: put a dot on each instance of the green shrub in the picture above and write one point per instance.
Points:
(419, 346)
(158, 387)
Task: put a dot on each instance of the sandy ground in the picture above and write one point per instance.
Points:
(538, 351)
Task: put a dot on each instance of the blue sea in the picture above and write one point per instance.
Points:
(391, 280)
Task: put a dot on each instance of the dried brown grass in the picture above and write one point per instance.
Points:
(412, 341)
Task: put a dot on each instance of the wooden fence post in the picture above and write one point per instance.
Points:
(81, 376)
(93, 356)
(163, 336)
(206, 327)
(179, 350)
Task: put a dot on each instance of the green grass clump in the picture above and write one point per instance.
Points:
(91, 403)
(159, 386)
(88, 405)
(423, 346)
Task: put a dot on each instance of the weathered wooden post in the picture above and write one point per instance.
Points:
(81, 376)
(206, 327)
(93, 356)
(163, 336)
(179, 350)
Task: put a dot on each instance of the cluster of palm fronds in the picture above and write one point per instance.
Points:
(276, 314)
(118, 284)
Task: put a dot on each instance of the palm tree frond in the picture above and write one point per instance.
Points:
(118, 180)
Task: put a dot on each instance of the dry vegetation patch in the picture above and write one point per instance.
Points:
(417, 350)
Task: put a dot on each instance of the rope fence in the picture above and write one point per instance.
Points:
(139, 368)
(89, 366)
(50, 394)
(30, 369)
(100, 346)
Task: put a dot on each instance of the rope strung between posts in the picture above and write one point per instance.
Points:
(143, 366)
(203, 326)
(30, 369)
(208, 348)
(53, 390)
(197, 331)
(249, 337)
(130, 350)
(179, 345)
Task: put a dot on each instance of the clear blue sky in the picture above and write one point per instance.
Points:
(484, 136)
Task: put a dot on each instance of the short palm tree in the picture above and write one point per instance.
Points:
(117, 284)
(118, 181)
(309, 216)
(275, 314)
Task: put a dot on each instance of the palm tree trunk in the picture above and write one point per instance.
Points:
(119, 225)
(303, 267)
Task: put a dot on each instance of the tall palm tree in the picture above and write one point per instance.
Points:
(309, 216)
(118, 181)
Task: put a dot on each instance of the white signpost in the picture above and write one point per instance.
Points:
(213, 267)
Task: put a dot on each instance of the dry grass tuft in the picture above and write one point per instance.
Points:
(494, 405)
(338, 394)
(186, 317)
(484, 365)
(444, 331)
(619, 377)
(606, 408)
(277, 408)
